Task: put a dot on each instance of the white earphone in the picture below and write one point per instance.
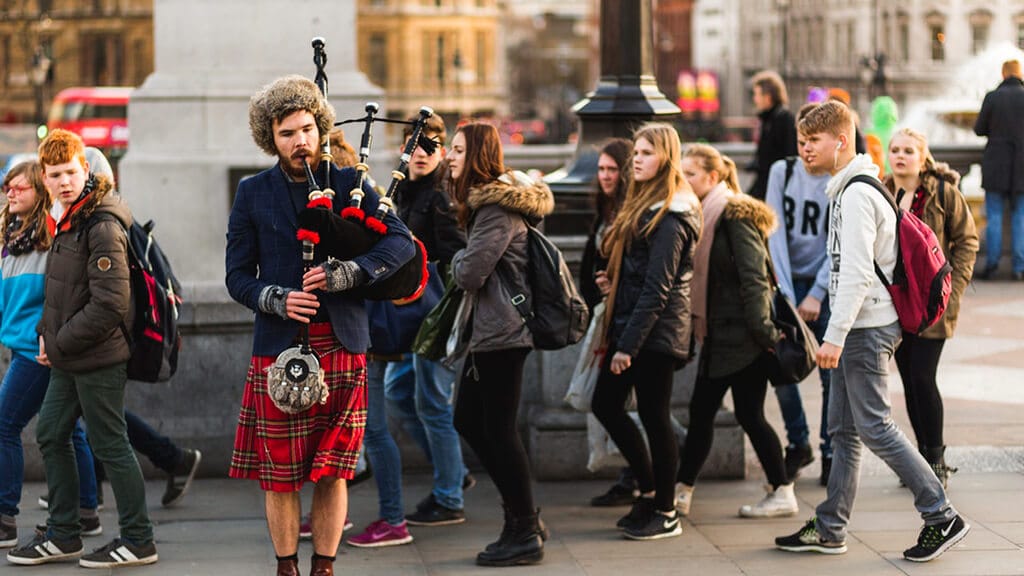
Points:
(839, 145)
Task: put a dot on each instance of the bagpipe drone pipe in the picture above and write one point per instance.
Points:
(351, 232)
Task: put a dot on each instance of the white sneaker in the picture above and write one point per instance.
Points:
(778, 502)
(684, 495)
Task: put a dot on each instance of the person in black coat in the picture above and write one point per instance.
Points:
(1001, 119)
(609, 191)
(613, 175)
(650, 246)
(778, 128)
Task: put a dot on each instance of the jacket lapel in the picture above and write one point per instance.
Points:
(282, 199)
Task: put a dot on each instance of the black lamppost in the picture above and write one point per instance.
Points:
(626, 95)
(41, 65)
(39, 75)
(783, 8)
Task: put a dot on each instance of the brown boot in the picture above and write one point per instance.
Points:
(322, 566)
(288, 565)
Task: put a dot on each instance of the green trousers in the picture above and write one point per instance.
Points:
(98, 397)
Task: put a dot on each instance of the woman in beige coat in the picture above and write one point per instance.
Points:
(930, 192)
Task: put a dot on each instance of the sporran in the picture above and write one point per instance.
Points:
(295, 382)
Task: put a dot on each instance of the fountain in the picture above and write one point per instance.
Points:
(949, 118)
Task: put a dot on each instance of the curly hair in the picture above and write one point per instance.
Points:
(280, 98)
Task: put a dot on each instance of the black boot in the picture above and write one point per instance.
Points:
(506, 529)
(936, 457)
(519, 544)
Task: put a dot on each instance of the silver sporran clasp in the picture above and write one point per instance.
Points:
(295, 382)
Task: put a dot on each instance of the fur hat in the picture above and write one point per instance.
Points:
(282, 97)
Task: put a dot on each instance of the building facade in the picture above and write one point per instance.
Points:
(908, 49)
(447, 54)
(48, 45)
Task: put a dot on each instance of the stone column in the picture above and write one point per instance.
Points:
(626, 96)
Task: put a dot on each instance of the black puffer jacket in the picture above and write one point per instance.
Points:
(87, 287)
(652, 300)
(426, 208)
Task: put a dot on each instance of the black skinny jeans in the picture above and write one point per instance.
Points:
(651, 375)
(485, 415)
(749, 386)
(918, 361)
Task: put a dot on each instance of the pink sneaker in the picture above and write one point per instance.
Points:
(380, 533)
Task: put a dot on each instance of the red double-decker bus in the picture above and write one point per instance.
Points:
(98, 114)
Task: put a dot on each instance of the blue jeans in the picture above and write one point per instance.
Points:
(859, 411)
(995, 207)
(21, 395)
(790, 403)
(419, 395)
(380, 447)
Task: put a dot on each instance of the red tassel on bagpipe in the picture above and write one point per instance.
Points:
(375, 225)
(321, 202)
(308, 235)
(353, 213)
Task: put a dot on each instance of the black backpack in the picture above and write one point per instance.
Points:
(554, 312)
(153, 333)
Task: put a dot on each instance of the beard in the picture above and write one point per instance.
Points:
(294, 169)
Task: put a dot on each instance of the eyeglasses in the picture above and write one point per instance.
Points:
(18, 189)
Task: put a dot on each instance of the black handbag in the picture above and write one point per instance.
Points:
(795, 355)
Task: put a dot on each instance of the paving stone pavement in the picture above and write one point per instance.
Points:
(219, 528)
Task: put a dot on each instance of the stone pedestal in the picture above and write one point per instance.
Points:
(190, 141)
(556, 435)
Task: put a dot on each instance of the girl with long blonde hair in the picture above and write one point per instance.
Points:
(650, 247)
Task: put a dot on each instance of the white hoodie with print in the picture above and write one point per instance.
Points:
(862, 231)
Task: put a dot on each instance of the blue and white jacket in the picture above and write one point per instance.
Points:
(21, 300)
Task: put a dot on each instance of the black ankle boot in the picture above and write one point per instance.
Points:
(506, 529)
(519, 544)
(936, 457)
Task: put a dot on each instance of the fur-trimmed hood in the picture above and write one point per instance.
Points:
(101, 198)
(517, 192)
(929, 178)
(743, 207)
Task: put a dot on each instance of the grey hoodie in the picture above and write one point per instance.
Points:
(862, 230)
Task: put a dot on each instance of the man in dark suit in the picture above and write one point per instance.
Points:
(778, 128)
(1001, 119)
(289, 119)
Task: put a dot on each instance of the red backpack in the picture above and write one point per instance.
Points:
(921, 281)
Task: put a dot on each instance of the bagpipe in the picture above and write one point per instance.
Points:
(295, 382)
(352, 232)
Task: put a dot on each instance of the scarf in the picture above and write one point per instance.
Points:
(64, 224)
(18, 238)
(712, 206)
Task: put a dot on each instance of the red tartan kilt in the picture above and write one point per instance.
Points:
(281, 450)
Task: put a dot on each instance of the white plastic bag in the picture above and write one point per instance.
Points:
(588, 366)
